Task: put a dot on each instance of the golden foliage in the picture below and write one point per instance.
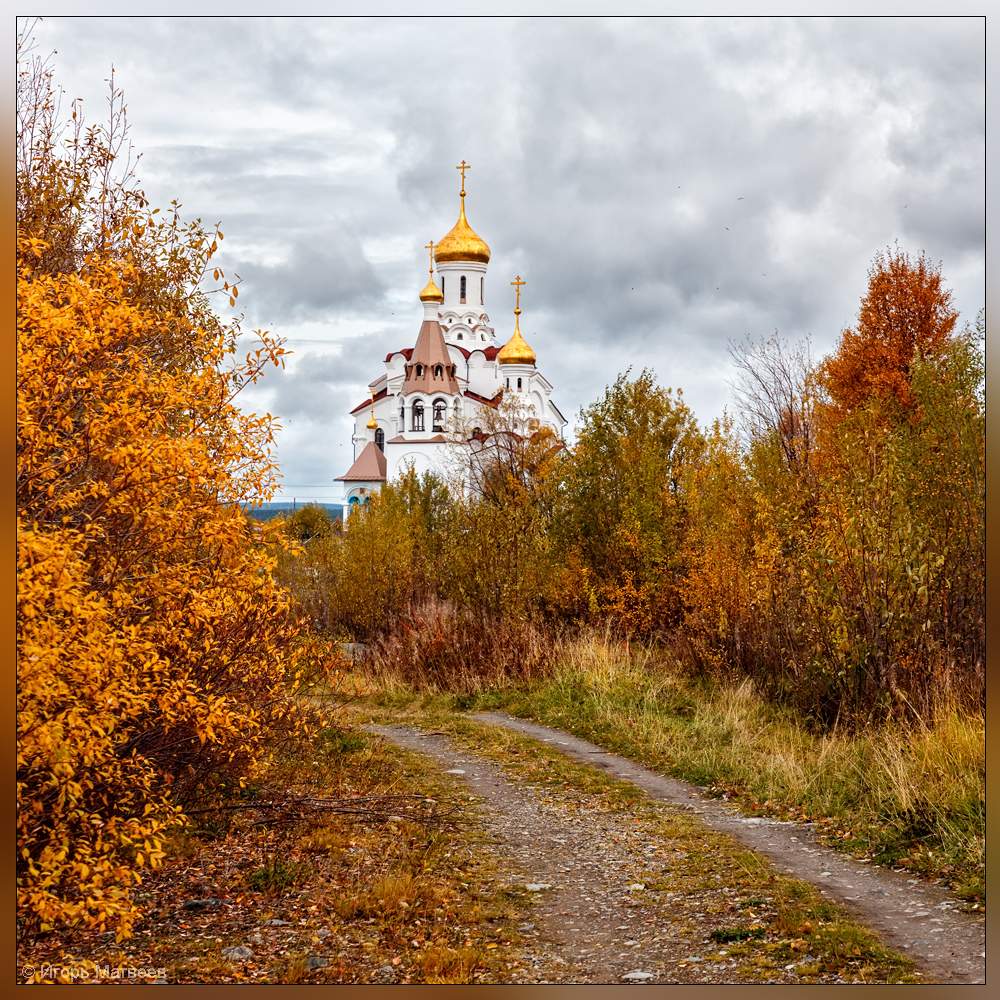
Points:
(156, 653)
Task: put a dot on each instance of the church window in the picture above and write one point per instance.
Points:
(459, 334)
(482, 291)
(477, 432)
(380, 439)
(439, 409)
(519, 385)
(438, 371)
(420, 370)
(508, 383)
(418, 416)
(461, 289)
(442, 285)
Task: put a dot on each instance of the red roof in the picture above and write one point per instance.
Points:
(381, 394)
(495, 401)
(368, 467)
(405, 351)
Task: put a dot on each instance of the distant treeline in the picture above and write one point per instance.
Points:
(826, 541)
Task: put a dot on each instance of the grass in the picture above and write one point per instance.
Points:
(417, 894)
(910, 798)
(723, 893)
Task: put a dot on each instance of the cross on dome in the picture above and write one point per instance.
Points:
(517, 351)
(463, 166)
(462, 243)
(430, 292)
(517, 283)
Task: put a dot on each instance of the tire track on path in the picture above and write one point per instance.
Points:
(920, 919)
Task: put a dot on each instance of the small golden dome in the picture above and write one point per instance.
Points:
(431, 292)
(517, 351)
(372, 423)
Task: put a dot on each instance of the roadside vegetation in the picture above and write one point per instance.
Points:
(787, 606)
(906, 796)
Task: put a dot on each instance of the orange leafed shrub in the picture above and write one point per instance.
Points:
(906, 316)
(155, 649)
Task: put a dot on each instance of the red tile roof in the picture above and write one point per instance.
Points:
(495, 401)
(368, 467)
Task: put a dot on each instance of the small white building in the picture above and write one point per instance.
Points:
(431, 396)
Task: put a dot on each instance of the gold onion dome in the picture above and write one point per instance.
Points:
(517, 351)
(372, 422)
(462, 242)
(431, 292)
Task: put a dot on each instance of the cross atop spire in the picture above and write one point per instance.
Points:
(429, 247)
(517, 283)
(463, 166)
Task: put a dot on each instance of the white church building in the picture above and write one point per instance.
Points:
(431, 397)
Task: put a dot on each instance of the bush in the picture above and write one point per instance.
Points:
(439, 647)
(157, 655)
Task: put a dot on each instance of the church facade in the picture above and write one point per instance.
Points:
(431, 398)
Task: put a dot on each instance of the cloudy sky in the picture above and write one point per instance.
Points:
(665, 186)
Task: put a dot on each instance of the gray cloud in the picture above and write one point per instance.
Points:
(665, 186)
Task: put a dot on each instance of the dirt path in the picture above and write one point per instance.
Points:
(624, 899)
(921, 920)
(591, 923)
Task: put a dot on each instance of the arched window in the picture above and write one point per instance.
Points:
(461, 289)
(459, 334)
(438, 371)
(482, 291)
(438, 414)
(518, 385)
(442, 286)
(508, 383)
(380, 439)
(477, 432)
(418, 416)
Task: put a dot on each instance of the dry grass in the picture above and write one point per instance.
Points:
(908, 796)
(437, 647)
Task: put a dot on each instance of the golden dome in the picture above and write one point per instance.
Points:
(372, 422)
(462, 241)
(431, 292)
(517, 351)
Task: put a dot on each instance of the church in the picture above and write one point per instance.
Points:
(431, 398)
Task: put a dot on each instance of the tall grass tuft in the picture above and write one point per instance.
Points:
(906, 794)
(439, 647)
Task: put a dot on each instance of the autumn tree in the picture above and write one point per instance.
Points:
(906, 315)
(157, 655)
(621, 506)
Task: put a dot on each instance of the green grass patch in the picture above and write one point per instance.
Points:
(913, 798)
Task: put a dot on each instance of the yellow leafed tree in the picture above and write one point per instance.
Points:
(156, 654)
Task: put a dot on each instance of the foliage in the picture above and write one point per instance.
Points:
(621, 507)
(906, 317)
(436, 646)
(155, 648)
(308, 522)
(848, 578)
